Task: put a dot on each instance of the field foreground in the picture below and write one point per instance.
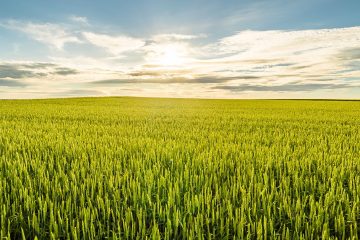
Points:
(142, 168)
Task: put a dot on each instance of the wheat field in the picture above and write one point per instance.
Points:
(151, 168)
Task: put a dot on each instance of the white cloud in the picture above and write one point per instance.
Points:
(114, 44)
(175, 37)
(271, 53)
(79, 19)
(50, 34)
(276, 63)
(285, 42)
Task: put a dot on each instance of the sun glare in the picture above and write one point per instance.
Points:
(172, 55)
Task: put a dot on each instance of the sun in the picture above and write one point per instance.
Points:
(172, 55)
(169, 55)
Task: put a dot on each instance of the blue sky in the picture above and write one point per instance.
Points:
(222, 49)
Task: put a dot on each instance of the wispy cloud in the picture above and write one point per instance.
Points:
(172, 80)
(17, 74)
(50, 34)
(81, 92)
(79, 19)
(289, 87)
(64, 71)
(274, 61)
(114, 44)
(175, 37)
(11, 83)
(350, 54)
(15, 71)
(295, 54)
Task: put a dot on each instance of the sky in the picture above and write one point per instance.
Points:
(189, 48)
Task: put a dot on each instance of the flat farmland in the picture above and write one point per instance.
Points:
(152, 168)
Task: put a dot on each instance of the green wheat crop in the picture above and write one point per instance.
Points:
(142, 168)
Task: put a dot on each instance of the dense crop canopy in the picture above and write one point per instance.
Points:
(137, 168)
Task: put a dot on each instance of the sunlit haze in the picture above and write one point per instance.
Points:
(205, 49)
